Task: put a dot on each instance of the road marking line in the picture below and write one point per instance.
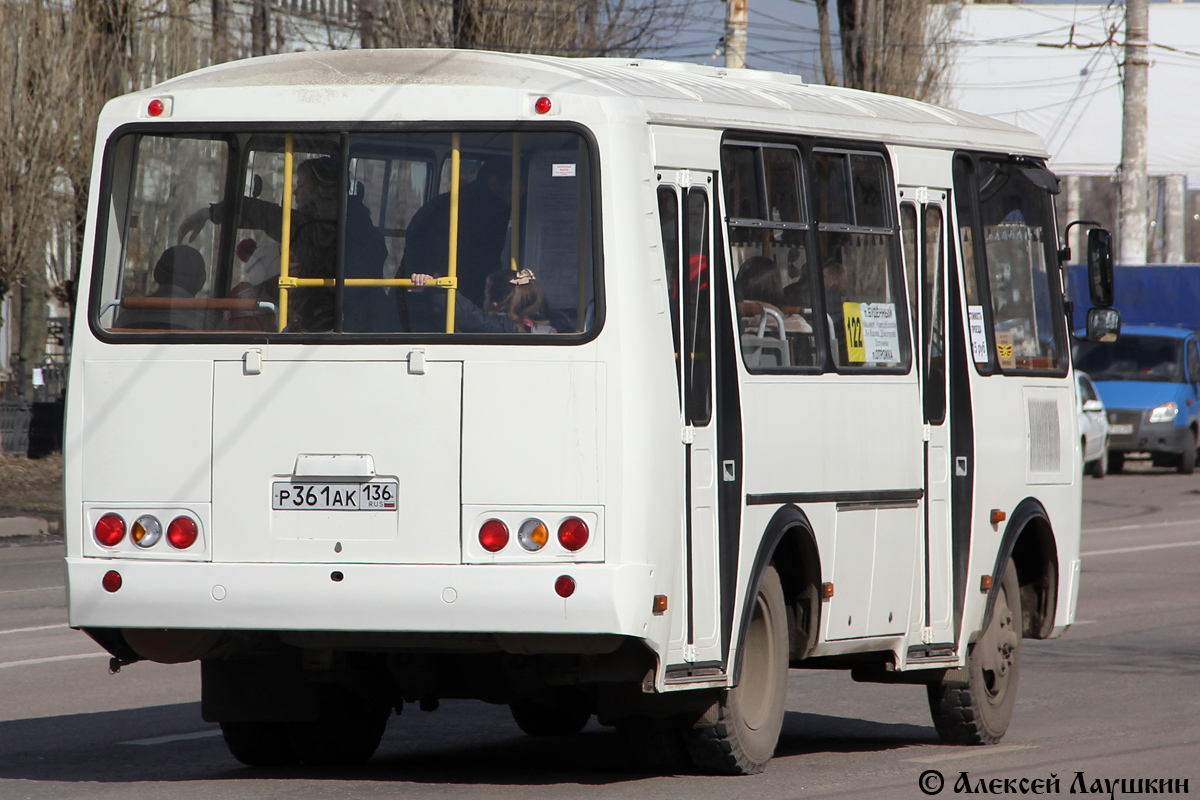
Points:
(1181, 523)
(31, 630)
(981, 751)
(37, 589)
(181, 737)
(1140, 548)
(33, 661)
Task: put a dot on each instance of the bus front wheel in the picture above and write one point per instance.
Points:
(738, 733)
(979, 711)
(259, 744)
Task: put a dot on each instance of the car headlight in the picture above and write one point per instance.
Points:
(1165, 413)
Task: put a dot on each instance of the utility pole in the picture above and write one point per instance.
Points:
(735, 33)
(1133, 215)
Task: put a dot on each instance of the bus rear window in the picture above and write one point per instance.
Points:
(347, 233)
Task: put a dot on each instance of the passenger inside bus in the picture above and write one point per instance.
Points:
(484, 211)
(313, 248)
(180, 273)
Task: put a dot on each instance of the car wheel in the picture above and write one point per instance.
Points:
(1187, 461)
(1100, 465)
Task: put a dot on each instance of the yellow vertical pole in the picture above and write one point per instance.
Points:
(285, 242)
(452, 266)
(515, 224)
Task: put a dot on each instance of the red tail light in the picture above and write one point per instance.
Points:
(564, 586)
(182, 532)
(110, 530)
(493, 535)
(573, 533)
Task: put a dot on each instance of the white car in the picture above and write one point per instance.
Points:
(1093, 426)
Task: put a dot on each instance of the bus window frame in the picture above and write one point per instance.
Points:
(1054, 275)
(231, 130)
(897, 276)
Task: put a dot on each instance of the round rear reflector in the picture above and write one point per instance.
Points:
(111, 581)
(110, 530)
(564, 586)
(493, 535)
(573, 533)
(182, 532)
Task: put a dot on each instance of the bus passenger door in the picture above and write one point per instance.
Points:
(685, 205)
(923, 227)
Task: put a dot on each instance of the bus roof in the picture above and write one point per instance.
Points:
(669, 92)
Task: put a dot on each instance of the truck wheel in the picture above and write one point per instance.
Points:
(738, 733)
(347, 732)
(1115, 462)
(979, 711)
(566, 716)
(259, 744)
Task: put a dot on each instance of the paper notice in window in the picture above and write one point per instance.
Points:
(978, 337)
(563, 170)
(872, 334)
(1004, 350)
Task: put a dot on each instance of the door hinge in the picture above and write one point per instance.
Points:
(252, 362)
(927, 635)
(926, 432)
(688, 435)
(690, 654)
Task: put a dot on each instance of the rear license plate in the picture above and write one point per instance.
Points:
(372, 496)
(1120, 430)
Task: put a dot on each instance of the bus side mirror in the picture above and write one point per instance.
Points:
(1103, 324)
(1100, 271)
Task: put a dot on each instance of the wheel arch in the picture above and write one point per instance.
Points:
(790, 544)
(1029, 540)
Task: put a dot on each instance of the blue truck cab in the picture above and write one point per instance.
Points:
(1149, 380)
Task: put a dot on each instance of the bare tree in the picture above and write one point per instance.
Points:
(900, 47)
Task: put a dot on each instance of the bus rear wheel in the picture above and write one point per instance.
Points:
(737, 735)
(347, 732)
(259, 744)
(979, 711)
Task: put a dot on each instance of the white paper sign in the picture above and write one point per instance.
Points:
(881, 334)
(563, 170)
(978, 336)
(39, 379)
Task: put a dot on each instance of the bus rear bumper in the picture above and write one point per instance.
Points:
(360, 597)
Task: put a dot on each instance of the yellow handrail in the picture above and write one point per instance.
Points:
(285, 240)
(452, 266)
(515, 220)
(435, 283)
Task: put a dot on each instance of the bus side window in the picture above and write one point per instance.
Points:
(768, 239)
(668, 216)
(863, 287)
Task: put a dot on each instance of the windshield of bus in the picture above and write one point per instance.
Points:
(319, 233)
(1132, 358)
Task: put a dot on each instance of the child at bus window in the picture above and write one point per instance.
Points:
(523, 310)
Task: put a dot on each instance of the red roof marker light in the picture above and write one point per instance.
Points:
(156, 108)
(542, 106)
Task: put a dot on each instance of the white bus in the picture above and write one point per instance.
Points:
(607, 388)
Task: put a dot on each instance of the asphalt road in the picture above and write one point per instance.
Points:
(1116, 697)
